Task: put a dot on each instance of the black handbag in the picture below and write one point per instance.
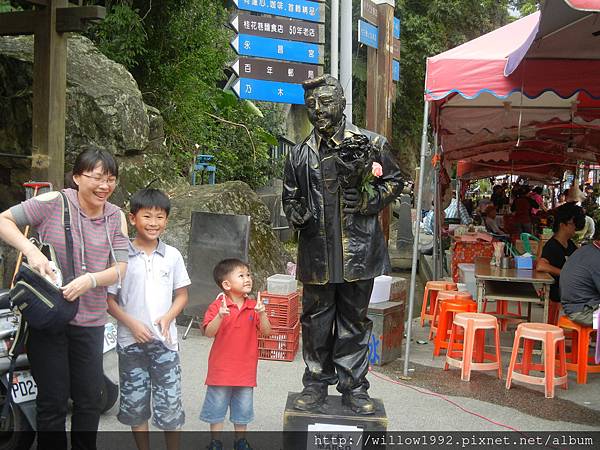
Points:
(39, 301)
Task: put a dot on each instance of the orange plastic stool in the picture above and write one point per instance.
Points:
(502, 309)
(430, 297)
(554, 309)
(552, 337)
(448, 309)
(444, 295)
(578, 359)
(474, 326)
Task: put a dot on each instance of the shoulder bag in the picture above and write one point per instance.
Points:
(39, 301)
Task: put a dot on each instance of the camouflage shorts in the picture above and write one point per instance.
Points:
(150, 370)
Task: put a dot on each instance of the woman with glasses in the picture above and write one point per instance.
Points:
(68, 364)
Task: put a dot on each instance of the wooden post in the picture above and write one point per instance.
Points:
(385, 86)
(49, 102)
(371, 119)
(380, 87)
(49, 25)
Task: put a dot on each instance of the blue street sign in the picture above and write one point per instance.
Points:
(263, 47)
(269, 91)
(396, 28)
(278, 27)
(367, 34)
(296, 9)
(395, 70)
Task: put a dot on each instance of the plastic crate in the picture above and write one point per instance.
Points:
(282, 310)
(281, 344)
(281, 284)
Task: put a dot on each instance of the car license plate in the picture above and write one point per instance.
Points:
(24, 388)
(110, 337)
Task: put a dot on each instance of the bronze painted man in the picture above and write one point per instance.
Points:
(335, 184)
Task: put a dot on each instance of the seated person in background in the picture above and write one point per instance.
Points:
(469, 205)
(489, 220)
(456, 210)
(562, 198)
(536, 196)
(586, 234)
(498, 197)
(483, 204)
(558, 248)
(428, 221)
(521, 207)
(574, 195)
(580, 284)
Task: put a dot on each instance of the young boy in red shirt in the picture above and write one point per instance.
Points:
(234, 320)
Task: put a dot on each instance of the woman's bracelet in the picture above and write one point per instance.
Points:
(94, 282)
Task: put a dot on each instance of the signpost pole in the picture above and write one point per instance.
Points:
(346, 55)
(335, 38)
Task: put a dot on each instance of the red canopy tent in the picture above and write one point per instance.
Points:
(527, 94)
(531, 81)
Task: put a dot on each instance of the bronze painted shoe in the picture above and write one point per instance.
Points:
(359, 402)
(311, 398)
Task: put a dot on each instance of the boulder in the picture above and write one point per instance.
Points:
(104, 107)
(104, 104)
(267, 255)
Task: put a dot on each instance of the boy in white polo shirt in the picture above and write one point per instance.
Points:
(152, 295)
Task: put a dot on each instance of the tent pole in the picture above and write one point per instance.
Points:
(436, 206)
(418, 207)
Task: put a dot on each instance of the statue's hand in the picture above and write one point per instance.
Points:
(299, 214)
(352, 199)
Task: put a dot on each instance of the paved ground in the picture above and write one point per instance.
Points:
(410, 405)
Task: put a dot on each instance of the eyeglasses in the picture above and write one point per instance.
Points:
(111, 181)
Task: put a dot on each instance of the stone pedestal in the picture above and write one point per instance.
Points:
(333, 426)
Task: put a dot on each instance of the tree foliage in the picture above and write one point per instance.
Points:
(427, 28)
(525, 7)
(121, 36)
(178, 51)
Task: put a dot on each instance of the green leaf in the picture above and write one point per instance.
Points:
(226, 99)
(252, 108)
(266, 137)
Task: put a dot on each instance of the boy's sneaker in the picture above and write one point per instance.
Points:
(241, 444)
(215, 445)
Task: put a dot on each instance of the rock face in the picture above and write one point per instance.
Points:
(104, 104)
(267, 255)
(104, 107)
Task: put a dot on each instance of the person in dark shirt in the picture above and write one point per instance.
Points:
(556, 251)
(521, 207)
(498, 197)
(580, 284)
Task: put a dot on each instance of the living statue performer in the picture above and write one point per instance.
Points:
(336, 182)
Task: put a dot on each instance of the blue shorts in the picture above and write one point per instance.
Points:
(150, 370)
(219, 398)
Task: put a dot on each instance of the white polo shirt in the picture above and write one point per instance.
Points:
(147, 290)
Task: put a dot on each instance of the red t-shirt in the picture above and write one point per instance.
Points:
(233, 356)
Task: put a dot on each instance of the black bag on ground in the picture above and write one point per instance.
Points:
(39, 301)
